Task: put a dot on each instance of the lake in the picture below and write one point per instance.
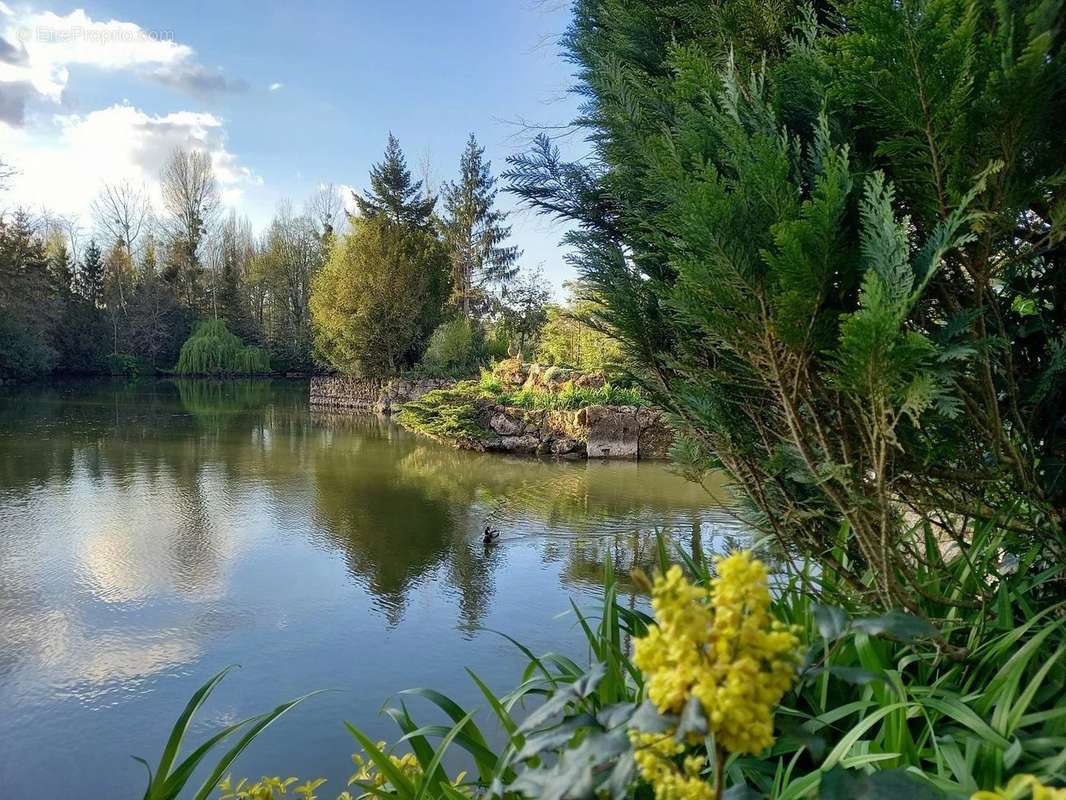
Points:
(152, 534)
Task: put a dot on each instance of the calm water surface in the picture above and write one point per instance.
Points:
(152, 534)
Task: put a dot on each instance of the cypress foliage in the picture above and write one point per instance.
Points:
(831, 241)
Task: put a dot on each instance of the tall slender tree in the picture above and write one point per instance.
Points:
(191, 199)
(474, 231)
(91, 274)
(393, 193)
(122, 212)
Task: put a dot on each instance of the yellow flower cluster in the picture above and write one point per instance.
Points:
(722, 646)
(367, 773)
(1022, 787)
(267, 788)
(656, 754)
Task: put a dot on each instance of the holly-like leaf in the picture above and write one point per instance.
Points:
(898, 625)
(893, 784)
(693, 719)
(563, 697)
(832, 622)
(742, 791)
(855, 675)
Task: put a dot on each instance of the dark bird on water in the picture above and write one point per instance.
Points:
(490, 536)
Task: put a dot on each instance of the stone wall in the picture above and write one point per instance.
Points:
(382, 396)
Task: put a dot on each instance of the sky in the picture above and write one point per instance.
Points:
(285, 97)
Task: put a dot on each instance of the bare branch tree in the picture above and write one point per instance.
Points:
(324, 208)
(123, 212)
(191, 199)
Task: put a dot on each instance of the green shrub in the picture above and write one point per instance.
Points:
(448, 414)
(23, 355)
(567, 341)
(454, 348)
(573, 397)
(830, 236)
(213, 350)
(123, 365)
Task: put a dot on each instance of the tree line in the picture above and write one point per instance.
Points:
(319, 288)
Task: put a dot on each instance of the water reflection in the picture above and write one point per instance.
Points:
(151, 533)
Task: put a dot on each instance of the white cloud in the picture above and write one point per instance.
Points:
(63, 168)
(347, 194)
(38, 49)
(275, 86)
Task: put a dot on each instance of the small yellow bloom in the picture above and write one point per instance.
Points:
(1022, 787)
(655, 754)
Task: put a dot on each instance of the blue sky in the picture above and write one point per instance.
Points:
(93, 90)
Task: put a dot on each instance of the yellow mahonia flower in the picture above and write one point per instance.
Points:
(722, 646)
(1022, 787)
(656, 755)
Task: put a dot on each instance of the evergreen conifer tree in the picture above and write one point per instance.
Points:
(474, 231)
(393, 193)
(91, 274)
(62, 268)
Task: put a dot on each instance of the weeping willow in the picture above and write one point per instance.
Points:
(213, 350)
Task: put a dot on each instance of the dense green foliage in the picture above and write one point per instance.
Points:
(884, 706)
(830, 241)
(569, 337)
(523, 314)
(127, 304)
(451, 414)
(379, 297)
(212, 350)
(455, 348)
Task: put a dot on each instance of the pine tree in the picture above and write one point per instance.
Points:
(62, 268)
(91, 274)
(393, 193)
(474, 231)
